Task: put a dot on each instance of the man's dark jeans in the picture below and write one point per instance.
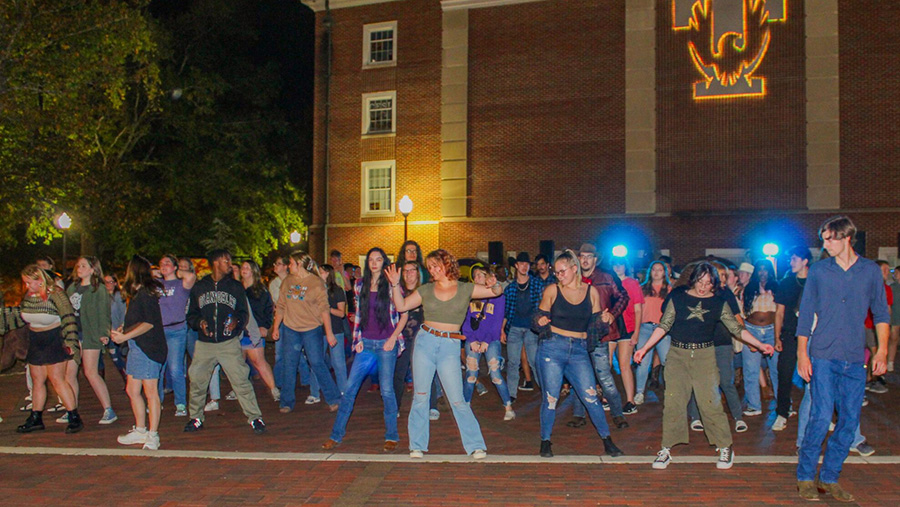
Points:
(787, 364)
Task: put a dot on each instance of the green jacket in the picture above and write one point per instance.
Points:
(94, 313)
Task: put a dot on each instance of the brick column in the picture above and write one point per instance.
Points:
(823, 134)
(454, 112)
(640, 106)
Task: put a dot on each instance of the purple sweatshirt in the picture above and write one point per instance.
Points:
(489, 327)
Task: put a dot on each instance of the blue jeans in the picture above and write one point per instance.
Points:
(302, 365)
(561, 356)
(338, 363)
(215, 392)
(803, 421)
(661, 348)
(176, 340)
(516, 338)
(295, 342)
(603, 372)
(436, 354)
(373, 354)
(834, 386)
(752, 361)
(492, 355)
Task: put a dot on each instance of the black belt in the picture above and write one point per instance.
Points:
(173, 323)
(443, 334)
(692, 346)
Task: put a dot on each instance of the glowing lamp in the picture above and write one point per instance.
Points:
(406, 205)
(64, 221)
(770, 249)
(619, 251)
(296, 237)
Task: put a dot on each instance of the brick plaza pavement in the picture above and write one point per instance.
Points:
(227, 464)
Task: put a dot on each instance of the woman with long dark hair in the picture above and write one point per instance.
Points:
(411, 252)
(52, 340)
(759, 307)
(147, 351)
(253, 344)
(377, 341)
(337, 301)
(625, 343)
(655, 289)
(92, 311)
(445, 301)
(690, 316)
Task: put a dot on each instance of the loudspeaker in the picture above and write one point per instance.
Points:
(860, 245)
(495, 252)
(547, 247)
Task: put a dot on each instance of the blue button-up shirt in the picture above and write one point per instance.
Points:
(840, 300)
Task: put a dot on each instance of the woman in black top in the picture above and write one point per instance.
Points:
(690, 316)
(263, 312)
(147, 351)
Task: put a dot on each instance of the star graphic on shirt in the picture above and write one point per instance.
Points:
(697, 312)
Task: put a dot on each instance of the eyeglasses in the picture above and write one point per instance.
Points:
(561, 271)
(410, 250)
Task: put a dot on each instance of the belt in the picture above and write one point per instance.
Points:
(692, 346)
(443, 334)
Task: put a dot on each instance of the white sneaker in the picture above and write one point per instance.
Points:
(312, 400)
(726, 458)
(180, 411)
(276, 394)
(696, 425)
(231, 396)
(663, 458)
(479, 454)
(509, 415)
(64, 419)
(780, 424)
(752, 412)
(134, 436)
(212, 406)
(416, 454)
(109, 416)
(740, 426)
(434, 415)
(639, 399)
(152, 442)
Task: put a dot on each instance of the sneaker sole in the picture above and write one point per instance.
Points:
(660, 466)
(109, 421)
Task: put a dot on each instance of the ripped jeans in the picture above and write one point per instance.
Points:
(492, 355)
(561, 356)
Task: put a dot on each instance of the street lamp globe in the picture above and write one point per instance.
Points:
(406, 205)
(295, 236)
(64, 221)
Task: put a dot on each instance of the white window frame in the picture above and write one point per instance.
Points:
(367, 45)
(366, 168)
(367, 99)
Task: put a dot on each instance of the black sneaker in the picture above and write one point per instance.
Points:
(75, 423)
(629, 408)
(546, 452)
(620, 422)
(259, 427)
(527, 386)
(193, 425)
(35, 422)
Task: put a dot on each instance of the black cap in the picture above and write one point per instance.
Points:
(523, 257)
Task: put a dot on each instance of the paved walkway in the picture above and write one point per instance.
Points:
(227, 463)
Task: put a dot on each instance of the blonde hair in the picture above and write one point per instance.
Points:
(35, 273)
(306, 261)
(571, 259)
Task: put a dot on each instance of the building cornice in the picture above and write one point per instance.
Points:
(453, 5)
(319, 5)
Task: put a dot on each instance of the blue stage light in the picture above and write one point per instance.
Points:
(770, 249)
(619, 251)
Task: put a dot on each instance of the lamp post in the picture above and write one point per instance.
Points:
(64, 222)
(406, 206)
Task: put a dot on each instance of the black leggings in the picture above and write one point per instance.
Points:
(787, 363)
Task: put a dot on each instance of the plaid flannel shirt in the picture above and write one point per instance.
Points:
(395, 318)
(536, 292)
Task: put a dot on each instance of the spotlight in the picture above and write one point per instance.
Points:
(619, 251)
(770, 249)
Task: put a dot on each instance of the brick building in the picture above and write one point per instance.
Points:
(676, 125)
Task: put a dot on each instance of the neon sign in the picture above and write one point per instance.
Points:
(739, 38)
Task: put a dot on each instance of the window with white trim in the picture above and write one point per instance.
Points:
(378, 188)
(380, 45)
(379, 113)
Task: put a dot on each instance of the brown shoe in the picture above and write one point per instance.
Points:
(808, 490)
(333, 408)
(390, 446)
(331, 444)
(285, 410)
(835, 490)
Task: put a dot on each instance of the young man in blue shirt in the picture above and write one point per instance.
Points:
(838, 294)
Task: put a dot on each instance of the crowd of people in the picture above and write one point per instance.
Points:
(571, 324)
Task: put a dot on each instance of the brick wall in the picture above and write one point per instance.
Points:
(870, 104)
(752, 149)
(547, 108)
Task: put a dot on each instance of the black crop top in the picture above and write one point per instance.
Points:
(575, 318)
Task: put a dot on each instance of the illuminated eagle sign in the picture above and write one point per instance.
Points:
(738, 38)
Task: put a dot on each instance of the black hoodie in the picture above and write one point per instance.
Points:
(214, 302)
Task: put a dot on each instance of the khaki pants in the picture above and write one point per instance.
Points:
(229, 355)
(696, 370)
